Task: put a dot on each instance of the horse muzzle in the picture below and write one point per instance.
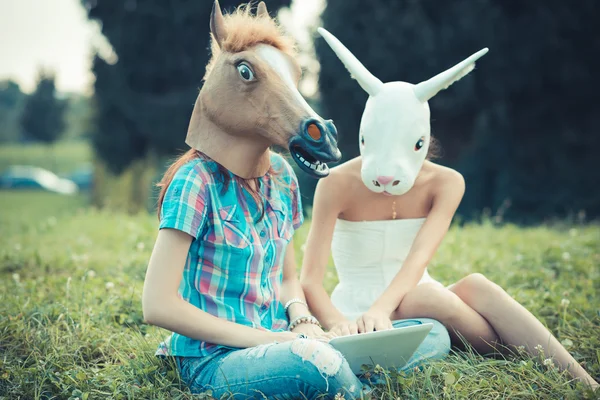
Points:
(315, 146)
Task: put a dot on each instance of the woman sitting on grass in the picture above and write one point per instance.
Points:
(222, 275)
(395, 210)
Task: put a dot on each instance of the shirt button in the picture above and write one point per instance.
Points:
(262, 233)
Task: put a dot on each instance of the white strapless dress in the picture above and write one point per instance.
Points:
(367, 256)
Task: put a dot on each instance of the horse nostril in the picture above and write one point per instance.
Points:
(395, 183)
(314, 132)
(376, 183)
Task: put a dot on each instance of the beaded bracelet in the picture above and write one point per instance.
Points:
(306, 319)
(292, 301)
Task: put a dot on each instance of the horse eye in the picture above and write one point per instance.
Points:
(362, 140)
(419, 144)
(245, 72)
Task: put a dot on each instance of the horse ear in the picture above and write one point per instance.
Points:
(217, 24)
(261, 11)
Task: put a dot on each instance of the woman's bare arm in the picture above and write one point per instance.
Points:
(290, 286)
(449, 192)
(326, 208)
(163, 307)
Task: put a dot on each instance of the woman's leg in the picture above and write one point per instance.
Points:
(432, 300)
(303, 368)
(514, 324)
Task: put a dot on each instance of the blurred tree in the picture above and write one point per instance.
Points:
(144, 100)
(42, 117)
(11, 103)
(78, 117)
(522, 128)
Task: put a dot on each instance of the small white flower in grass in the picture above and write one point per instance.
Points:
(91, 273)
(16, 277)
(539, 347)
(565, 302)
(141, 246)
(566, 256)
(109, 286)
(548, 362)
(521, 348)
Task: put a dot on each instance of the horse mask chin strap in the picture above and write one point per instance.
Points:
(395, 125)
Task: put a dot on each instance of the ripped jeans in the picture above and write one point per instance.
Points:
(301, 369)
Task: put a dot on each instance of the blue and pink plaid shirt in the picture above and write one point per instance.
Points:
(234, 267)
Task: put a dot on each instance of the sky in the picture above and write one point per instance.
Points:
(56, 34)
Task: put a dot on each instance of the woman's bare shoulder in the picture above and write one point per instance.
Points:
(445, 180)
(342, 179)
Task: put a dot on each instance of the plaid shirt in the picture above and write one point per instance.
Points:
(234, 267)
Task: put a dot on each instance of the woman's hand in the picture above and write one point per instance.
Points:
(313, 331)
(374, 320)
(281, 337)
(344, 328)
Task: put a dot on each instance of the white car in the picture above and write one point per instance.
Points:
(29, 177)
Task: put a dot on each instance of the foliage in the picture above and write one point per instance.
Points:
(522, 127)
(11, 103)
(144, 100)
(42, 118)
(71, 323)
(78, 117)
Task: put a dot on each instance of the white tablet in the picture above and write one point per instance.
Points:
(390, 349)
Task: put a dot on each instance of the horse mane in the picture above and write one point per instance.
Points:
(244, 30)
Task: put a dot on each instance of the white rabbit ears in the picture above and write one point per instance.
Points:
(423, 91)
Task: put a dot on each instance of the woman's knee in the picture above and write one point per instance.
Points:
(332, 373)
(430, 300)
(477, 291)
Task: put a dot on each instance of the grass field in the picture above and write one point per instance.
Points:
(71, 324)
(61, 158)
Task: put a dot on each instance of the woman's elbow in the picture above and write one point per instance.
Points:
(154, 310)
(150, 314)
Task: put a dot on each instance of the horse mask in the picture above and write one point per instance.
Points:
(395, 128)
(250, 98)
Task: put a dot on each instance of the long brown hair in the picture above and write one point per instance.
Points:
(435, 150)
(251, 185)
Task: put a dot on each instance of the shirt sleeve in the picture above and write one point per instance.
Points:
(184, 204)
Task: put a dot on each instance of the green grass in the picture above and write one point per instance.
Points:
(71, 324)
(60, 158)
